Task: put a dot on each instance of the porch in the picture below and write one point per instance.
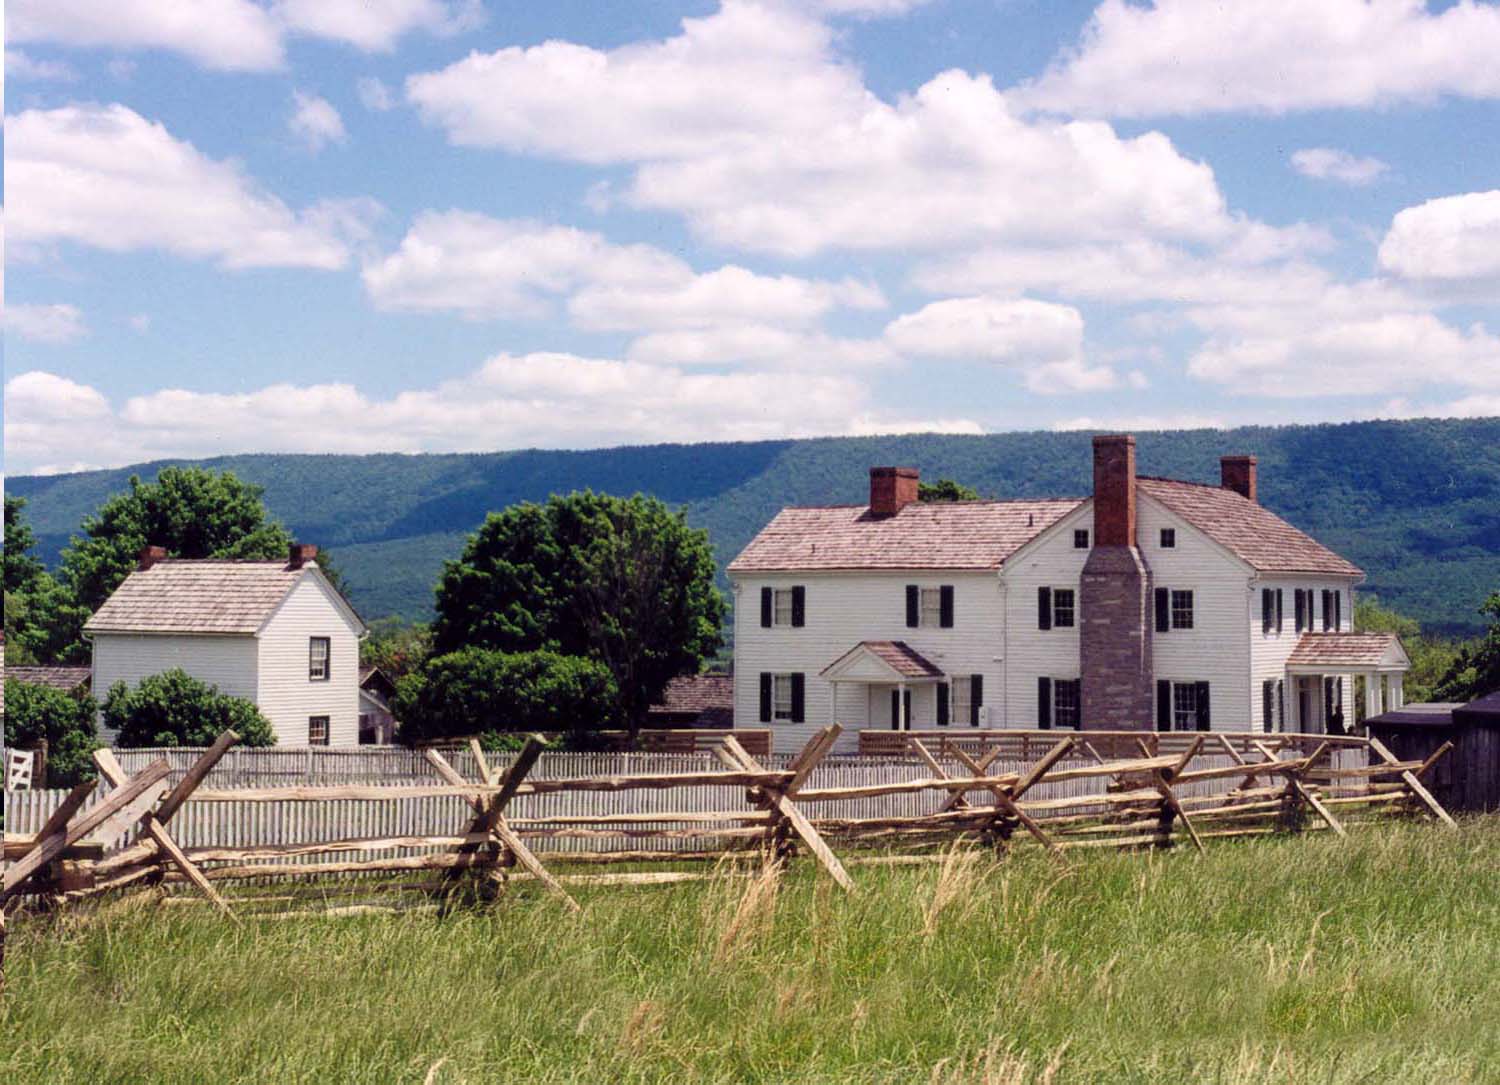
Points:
(890, 685)
(1321, 664)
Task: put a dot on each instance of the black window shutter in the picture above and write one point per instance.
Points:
(1163, 705)
(1203, 714)
(913, 606)
(1297, 599)
(942, 704)
(1267, 706)
(945, 607)
(895, 710)
(1279, 597)
(1044, 608)
(799, 606)
(976, 698)
(766, 603)
(799, 698)
(765, 697)
(1327, 610)
(1281, 704)
(1044, 703)
(906, 708)
(1267, 610)
(1163, 610)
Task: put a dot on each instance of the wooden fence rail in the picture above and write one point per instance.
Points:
(471, 815)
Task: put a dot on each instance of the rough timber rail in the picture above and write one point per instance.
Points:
(1147, 790)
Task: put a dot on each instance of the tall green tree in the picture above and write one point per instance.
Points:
(624, 581)
(1476, 671)
(40, 615)
(1431, 656)
(22, 569)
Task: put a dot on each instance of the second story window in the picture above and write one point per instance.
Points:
(1062, 608)
(1182, 610)
(783, 606)
(929, 607)
(318, 651)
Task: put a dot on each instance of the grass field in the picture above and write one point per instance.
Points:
(1301, 960)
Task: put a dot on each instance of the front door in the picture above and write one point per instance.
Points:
(1309, 721)
(897, 715)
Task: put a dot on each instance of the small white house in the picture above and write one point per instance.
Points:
(276, 633)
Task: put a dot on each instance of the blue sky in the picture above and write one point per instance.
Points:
(431, 225)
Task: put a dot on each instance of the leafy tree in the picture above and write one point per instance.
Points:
(1476, 671)
(945, 489)
(624, 581)
(39, 612)
(398, 648)
(175, 709)
(1431, 657)
(66, 722)
(481, 691)
(22, 569)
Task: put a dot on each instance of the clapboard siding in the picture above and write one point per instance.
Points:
(843, 609)
(229, 662)
(287, 697)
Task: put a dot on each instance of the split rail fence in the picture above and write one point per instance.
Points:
(471, 824)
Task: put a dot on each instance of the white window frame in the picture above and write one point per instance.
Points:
(1058, 609)
(313, 674)
(930, 608)
(781, 606)
(781, 694)
(1174, 611)
(312, 733)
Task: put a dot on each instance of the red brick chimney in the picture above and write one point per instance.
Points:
(892, 489)
(1237, 473)
(300, 554)
(149, 556)
(1114, 490)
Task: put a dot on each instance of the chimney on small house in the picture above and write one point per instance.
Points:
(1114, 490)
(892, 489)
(149, 556)
(1237, 473)
(300, 554)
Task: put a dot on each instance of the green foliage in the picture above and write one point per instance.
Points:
(624, 581)
(479, 691)
(1431, 656)
(396, 647)
(41, 618)
(175, 709)
(22, 568)
(66, 722)
(1476, 671)
(945, 489)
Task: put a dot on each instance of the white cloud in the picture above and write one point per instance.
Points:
(463, 262)
(374, 95)
(764, 344)
(106, 177)
(315, 121)
(534, 400)
(57, 323)
(1010, 332)
(376, 25)
(19, 66)
(1453, 242)
(750, 125)
(1271, 56)
(233, 35)
(1142, 423)
(1331, 164)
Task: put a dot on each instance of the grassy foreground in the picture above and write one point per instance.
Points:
(1285, 960)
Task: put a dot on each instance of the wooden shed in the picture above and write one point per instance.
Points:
(1466, 780)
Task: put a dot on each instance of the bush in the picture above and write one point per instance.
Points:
(175, 709)
(66, 722)
(479, 691)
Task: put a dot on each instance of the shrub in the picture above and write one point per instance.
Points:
(66, 722)
(476, 691)
(175, 709)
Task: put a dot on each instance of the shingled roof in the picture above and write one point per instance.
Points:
(975, 535)
(1249, 530)
(197, 596)
(1347, 650)
(65, 678)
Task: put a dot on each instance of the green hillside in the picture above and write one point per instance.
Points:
(1416, 504)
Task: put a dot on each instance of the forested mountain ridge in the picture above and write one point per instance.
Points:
(1416, 504)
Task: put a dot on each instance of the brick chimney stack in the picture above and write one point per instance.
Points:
(892, 489)
(1237, 473)
(1114, 490)
(300, 554)
(149, 556)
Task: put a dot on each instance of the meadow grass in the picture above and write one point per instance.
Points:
(1299, 959)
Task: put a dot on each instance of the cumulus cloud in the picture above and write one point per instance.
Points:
(106, 177)
(315, 121)
(533, 400)
(704, 118)
(1142, 423)
(1331, 164)
(1448, 243)
(374, 95)
(763, 344)
(1270, 56)
(376, 25)
(57, 323)
(20, 66)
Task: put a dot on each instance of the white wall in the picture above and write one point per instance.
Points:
(287, 697)
(842, 610)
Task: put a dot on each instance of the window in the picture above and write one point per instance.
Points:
(783, 606)
(1081, 539)
(1182, 706)
(317, 730)
(782, 615)
(782, 697)
(782, 704)
(1066, 698)
(1304, 602)
(1268, 705)
(1168, 538)
(930, 607)
(1270, 610)
(961, 698)
(1062, 608)
(1182, 610)
(318, 649)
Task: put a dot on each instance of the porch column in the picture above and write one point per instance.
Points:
(1372, 695)
(1398, 696)
(901, 711)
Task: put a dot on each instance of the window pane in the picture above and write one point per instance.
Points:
(1184, 706)
(782, 698)
(1062, 607)
(1065, 703)
(932, 606)
(783, 607)
(1182, 610)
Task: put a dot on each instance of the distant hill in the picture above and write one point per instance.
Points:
(1416, 504)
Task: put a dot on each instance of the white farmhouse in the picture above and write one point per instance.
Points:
(1154, 603)
(277, 633)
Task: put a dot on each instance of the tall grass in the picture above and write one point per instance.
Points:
(1305, 960)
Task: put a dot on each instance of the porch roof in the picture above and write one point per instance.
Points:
(883, 661)
(1367, 653)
